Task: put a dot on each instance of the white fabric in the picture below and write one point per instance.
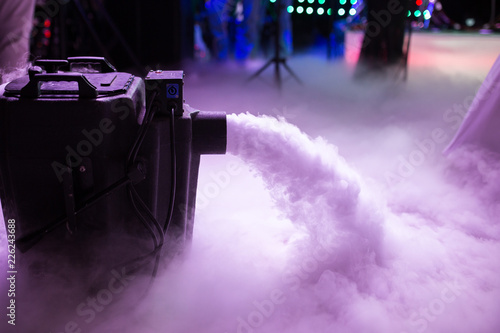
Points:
(481, 126)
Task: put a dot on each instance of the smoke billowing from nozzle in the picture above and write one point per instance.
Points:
(396, 261)
(313, 186)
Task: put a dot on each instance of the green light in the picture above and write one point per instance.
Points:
(352, 11)
(273, 1)
(321, 2)
(427, 14)
(301, 1)
(418, 13)
(341, 12)
(309, 10)
(329, 11)
(321, 11)
(289, 9)
(353, 2)
(300, 9)
(409, 13)
(310, 1)
(343, 2)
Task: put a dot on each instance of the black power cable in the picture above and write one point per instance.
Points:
(142, 218)
(134, 196)
(149, 221)
(148, 117)
(173, 173)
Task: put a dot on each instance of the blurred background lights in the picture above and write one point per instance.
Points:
(427, 14)
(470, 22)
(350, 7)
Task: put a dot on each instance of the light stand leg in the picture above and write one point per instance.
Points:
(277, 60)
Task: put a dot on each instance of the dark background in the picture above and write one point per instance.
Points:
(147, 34)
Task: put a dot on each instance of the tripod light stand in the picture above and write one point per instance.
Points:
(278, 59)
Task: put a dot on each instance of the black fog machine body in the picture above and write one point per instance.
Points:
(99, 168)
